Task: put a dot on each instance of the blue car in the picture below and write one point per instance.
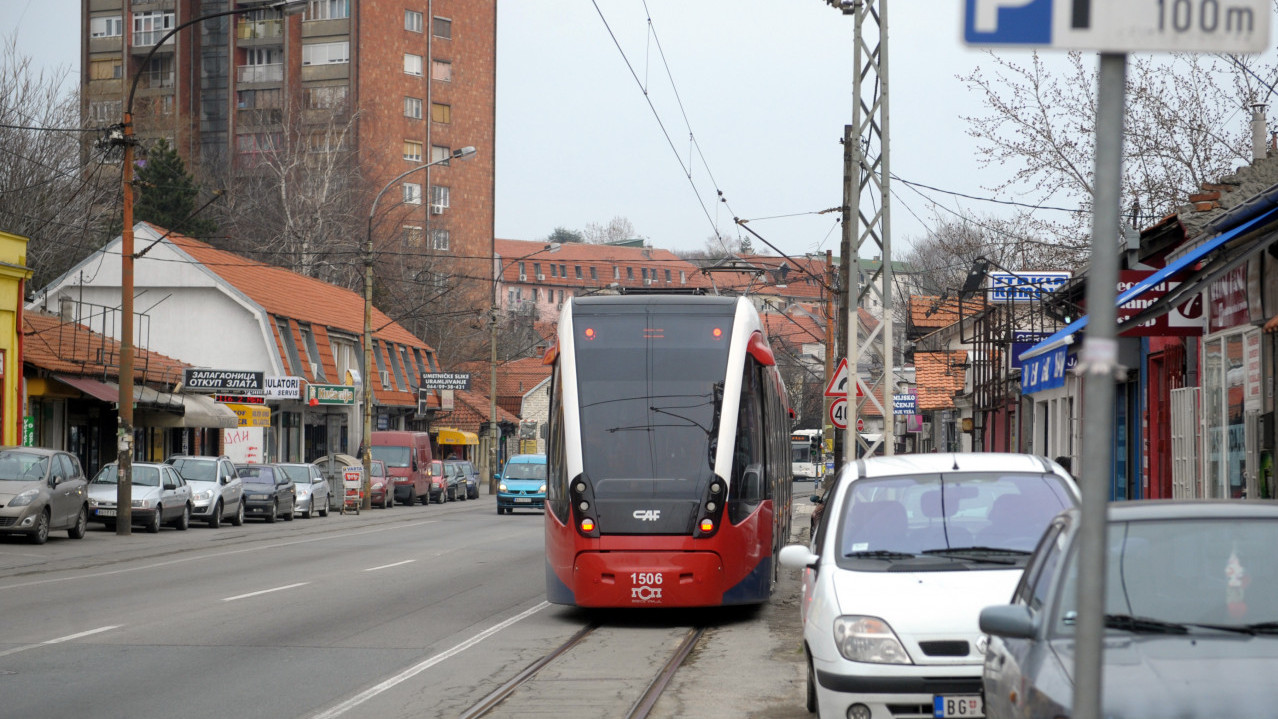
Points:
(522, 484)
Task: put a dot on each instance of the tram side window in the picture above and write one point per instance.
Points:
(745, 489)
(556, 469)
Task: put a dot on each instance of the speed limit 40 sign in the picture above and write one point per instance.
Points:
(839, 412)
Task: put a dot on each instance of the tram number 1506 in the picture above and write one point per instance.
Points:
(648, 578)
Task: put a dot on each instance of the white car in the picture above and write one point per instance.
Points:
(158, 496)
(909, 550)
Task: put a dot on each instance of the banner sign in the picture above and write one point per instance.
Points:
(1024, 286)
(330, 394)
(222, 380)
(1021, 342)
(1046, 371)
(283, 387)
(904, 404)
(252, 415)
(1184, 320)
(446, 380)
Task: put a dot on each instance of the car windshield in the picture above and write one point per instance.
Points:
(256, 474)
(525, 470)
(377, 469)
(946, 513)
(393, 456)
(19, 466)
(196, 470)
(142, 475)
(299, 474)
(1188, 571)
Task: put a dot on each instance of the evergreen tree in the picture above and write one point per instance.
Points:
(167, 194)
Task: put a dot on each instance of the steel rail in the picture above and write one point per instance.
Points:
(644, 706)
(498, 695)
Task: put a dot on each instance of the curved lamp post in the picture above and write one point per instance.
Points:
(124, 431)
(457, 154)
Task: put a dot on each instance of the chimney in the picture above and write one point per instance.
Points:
(1259, 146)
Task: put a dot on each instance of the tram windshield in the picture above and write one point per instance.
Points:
(648, 387)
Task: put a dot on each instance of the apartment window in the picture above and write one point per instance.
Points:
(325, 98)
(109, 26)
(290, 346)
(616, 272)
(263, 56)
(439, 239)
(258, 99)
(381, 364)
(441, 71)
(442, 114)
(683, 278)
(330, 140)
(413, 107)
(158, 72)
(412, 236)
(258, 142)
(408, 369)
(326, 53)
(667, 276)
(412, 21)
(112, 69)
(554, 271)
(413, 64)
(327, 10)
(645, 274)
(563, 271)
(105, 111)
(413, 150)
(346, 355)
(439, 195)
(594, 275)
(417, 355)
(442, 27)
(150, 26)
(312, 351)
(412, 193)
(577, 270)
(399, 371)
(439, 153)
(510, 297)
(630, 273)
(537, 268)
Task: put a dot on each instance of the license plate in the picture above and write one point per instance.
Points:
(106, 512)
(965, 705)
(523, 500)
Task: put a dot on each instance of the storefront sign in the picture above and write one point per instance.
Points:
(252, 415)
(1227, 298)
(446, 380)
(1184, 320)
(329, 394)
(904, 403)
(239, 398)
(1021, 342)
(283, 387)
(1024, 286)
(1046, 371)
(221, 380)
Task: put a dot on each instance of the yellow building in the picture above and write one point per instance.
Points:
(14, 274)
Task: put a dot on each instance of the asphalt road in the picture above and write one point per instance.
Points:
(408, 612)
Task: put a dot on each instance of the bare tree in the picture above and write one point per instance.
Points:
(619, 229)
(939, 263)
(1186, 124)
(46, 194)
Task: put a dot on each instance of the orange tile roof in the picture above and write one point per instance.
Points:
(70, 348)
(470, 413)
(932, 312)
(603, 258)
(796, 283)
(793, 328)
(938, 377)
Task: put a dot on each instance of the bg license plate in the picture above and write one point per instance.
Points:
(966, 705)
(106, 512)
(523, 500)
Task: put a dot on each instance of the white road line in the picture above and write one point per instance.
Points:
(388, 566)
(59, 640)
(416, 669)
(264, 591)
(204, 557)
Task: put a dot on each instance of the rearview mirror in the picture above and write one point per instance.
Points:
(817, 499)
(1007, 620)
(796, 556)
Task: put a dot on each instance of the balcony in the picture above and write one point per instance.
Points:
(259, 117)
(251, 74)
(144, 40)
(253, 33)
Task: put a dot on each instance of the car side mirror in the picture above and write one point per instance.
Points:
(817, 499)
(797, 556)
(1007, 620)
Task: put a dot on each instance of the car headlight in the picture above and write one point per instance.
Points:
(868, 639)
(25, 498)
(203, 496)
(377, 485)
(542, 488)
(141, 504)
(93, 501)
(501, 487)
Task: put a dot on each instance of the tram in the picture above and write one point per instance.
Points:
(806, 461)
(668, 454)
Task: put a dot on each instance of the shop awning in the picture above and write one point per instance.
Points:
(448, 435)
(1066, 335)
(160, 409)
(93, 388)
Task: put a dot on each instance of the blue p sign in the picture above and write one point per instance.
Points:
(1008, 22)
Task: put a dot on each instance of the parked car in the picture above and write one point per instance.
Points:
(42, 490)
(437, 481)
(268, 492)
(157, 493)
(912, 547)
(1191, 605)
(470, 479)
(381, 487)
(456, 482)
(407, 456)
(312, 488)
(216, 490)
(522, 483)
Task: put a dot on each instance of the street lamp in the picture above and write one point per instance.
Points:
(124, 432)
(492, 367)
(458, 154)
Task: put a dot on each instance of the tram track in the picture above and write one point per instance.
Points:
(640, 709)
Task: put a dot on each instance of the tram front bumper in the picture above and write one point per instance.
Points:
(659, 579)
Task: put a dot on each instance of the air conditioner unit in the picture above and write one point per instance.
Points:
(523, 277)
(436, 209)
(541, 278)
(385, 378)
(647, 281)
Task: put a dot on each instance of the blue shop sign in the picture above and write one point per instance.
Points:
(1046, 371)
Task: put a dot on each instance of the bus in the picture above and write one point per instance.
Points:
(805, 454)
(667, 455)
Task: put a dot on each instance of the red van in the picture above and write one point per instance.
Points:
(408, 458)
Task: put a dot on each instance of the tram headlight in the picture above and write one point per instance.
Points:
(584, 507)
(587, 525)
(707, 525)
(580, 487)
(710, 506)
(714, 488)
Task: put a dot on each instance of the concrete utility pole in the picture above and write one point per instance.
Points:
(865, 151)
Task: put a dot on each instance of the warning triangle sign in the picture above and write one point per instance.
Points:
(838, 386)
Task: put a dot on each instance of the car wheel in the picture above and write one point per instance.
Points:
(275, 510)
(184, 522)
(153, 527)
(310, 510)
(323, 510)
(81, 524)
(812, 699)
(238, 519)
(41, 533)
(411, 499)
(215, 519)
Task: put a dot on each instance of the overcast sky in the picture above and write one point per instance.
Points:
(766, 88)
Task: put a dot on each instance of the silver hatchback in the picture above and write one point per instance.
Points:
(42, 490)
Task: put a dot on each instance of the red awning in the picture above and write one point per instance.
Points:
(93, 388)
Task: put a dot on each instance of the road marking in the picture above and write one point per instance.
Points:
(388, 566)
(264, 591)
(60, 640)
(416, 669)
(230, 552)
